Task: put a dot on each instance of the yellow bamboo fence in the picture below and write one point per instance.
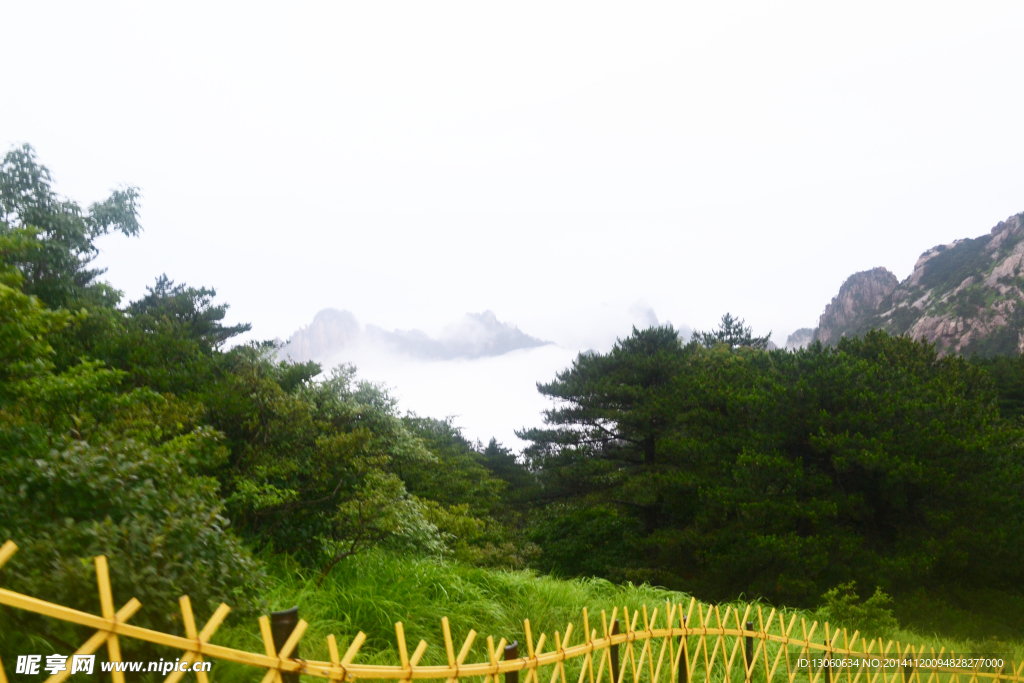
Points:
(674, 643)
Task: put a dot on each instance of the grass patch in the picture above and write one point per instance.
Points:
(373, 591)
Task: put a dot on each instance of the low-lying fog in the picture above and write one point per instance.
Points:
(480, 370)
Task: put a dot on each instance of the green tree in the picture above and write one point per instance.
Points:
(464, 498)
(1007, 373)
(26, 325)
(520, 483)
(191, 309)
(605, 444)
(456, 475)
(783, 474)
(732, 332)
(616, 403)
(170, 340)
(315, 471)
(57, 269)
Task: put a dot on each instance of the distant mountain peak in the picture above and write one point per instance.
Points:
(800, 339)
(859, 294)
(330, 329)
(475, 335)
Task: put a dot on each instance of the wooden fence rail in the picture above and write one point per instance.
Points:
(673, 643)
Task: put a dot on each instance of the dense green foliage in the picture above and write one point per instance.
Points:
(1007, 373)
(90, 468)
(127, 429)
(726, 469)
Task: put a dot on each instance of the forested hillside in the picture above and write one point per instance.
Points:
(135, 430)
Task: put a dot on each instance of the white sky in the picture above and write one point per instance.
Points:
(411, 162)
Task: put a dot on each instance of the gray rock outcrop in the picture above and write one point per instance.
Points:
(965, 297)
(858, 297)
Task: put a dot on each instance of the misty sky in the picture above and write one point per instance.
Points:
(411, 162)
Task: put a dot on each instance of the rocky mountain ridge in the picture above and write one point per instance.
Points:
(966, 297)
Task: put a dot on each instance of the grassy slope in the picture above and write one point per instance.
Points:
(371, 592)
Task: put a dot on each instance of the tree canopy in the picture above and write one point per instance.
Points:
(56, 267)
(733, 333)
(721, 468)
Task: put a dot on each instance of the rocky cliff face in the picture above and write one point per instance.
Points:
(858, 297)
(966, 297)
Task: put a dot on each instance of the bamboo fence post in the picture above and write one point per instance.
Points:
(828, 657)
(200, 637)
(512, 652)
(6, 550)
(613, 651)
(749, 650)
(107, 608)
(281, 626)
(684, 664)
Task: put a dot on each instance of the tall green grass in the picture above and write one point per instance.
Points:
(371, 592)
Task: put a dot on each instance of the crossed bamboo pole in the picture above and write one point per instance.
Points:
(724, 646)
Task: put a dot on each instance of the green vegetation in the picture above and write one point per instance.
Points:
(128, 429)
(778, 474)
(373, 591)
(953, 265)
(131, 429)
(733, 334)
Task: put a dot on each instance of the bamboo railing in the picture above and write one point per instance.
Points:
(691, 643)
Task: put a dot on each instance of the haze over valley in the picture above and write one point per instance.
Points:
(479, 370)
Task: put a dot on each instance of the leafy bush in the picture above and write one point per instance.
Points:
(841, 606)
(87, 469)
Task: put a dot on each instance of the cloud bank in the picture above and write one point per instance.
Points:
(478, 370)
